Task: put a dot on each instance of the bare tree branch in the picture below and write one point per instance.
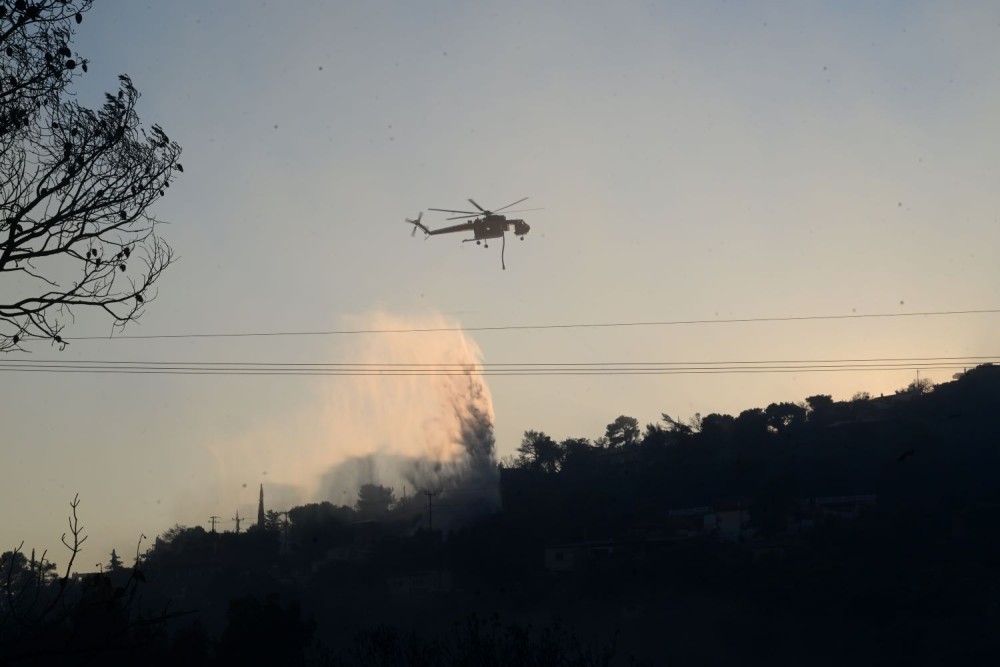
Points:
(76, 185)
(41, 614)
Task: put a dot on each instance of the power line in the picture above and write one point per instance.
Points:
(494, 370)
(539, 327)
(731, 371)
(546, 374)
(110, 362)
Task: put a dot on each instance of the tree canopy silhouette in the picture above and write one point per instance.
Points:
(540, 452)
(623, 431)
(374, 500)
(76, 185)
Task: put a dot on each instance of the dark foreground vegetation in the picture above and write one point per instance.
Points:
(863, 532)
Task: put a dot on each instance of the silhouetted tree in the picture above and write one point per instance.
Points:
(676, 426)
(578, 453)
(623, 432)
(114, 562)
(782, 417)
(716, 429)
(273, 520)
(918, 387)
(12, 566)
(820, 409)
(315, 513)
(318, 526)
(751, 425)
(539, 452)
(374, 500)
(76, 185)
(654, 436)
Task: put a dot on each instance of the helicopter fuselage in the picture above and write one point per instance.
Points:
(487, 227)
(490, 227)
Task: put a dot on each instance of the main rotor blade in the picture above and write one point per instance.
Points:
(524, 210)
(507, 206)
(461, 217)
(473, 202)
(448, 210)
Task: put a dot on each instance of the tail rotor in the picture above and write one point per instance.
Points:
(418, 225)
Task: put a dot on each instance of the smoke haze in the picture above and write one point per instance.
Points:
(427, 432)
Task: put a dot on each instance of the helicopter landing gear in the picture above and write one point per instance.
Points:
(478, 242)
(522, 238)
(486, 245)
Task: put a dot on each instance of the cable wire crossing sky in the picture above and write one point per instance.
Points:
(598, 325)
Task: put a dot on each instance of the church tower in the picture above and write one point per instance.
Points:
(260, 509)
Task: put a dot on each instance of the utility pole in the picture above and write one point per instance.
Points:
(430, 508)
(214, 519)
(237, 519)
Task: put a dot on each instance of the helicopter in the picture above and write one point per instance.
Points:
(486, 225)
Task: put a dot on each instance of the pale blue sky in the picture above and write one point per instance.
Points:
(694, 161)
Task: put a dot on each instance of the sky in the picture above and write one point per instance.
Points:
(692, 161)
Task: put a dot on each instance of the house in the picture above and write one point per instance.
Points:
(730, 521)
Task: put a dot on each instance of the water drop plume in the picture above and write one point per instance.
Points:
(418, 432)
